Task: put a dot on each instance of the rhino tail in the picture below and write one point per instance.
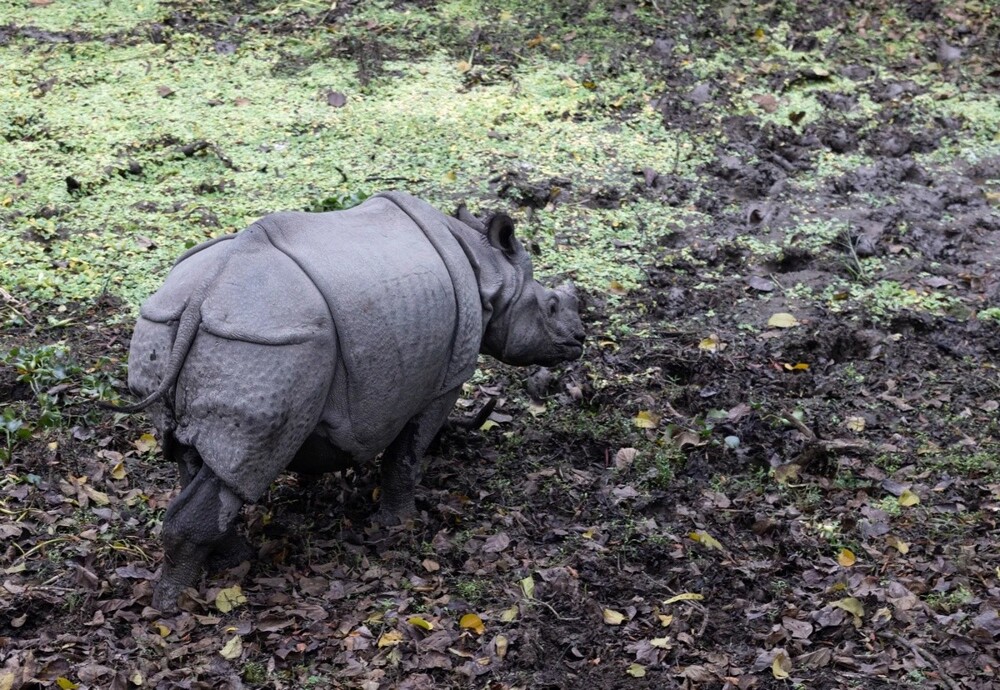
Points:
(187, 329)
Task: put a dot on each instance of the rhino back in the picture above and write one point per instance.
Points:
(406, 312)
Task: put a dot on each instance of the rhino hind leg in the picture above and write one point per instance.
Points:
(401, 461)
(198, 524)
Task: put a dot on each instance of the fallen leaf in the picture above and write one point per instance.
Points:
(616, 288)
(528, 587)
(509, 615)
(686, 596)
(161, 629)
(390, 638)
(898, 544)
(781, 666)
(646, 420)
(145, 443)
(431, 566)
(66, 683)
(229, 598)
(419, 622)
(6, 680)
(782, 320)
(625, 457)
(766, 101)
(463, 66)
(846, 558)
(496, 543)
(612, 617)
(500, 642)
(853, 607)
(712, 344)
(232, 649)
(665, 620)
(660, 642)
(855, 424)
(119, 471)
(636, 670)
(707, 539)
(908, 499)
(471, 621)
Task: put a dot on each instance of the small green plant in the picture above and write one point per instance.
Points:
(254, 673)
(991, 314)
(471, 590)
(947, 602)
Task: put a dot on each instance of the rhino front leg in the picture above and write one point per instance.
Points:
(198, 523)
(401, 460)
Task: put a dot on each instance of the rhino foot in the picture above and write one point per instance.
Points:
(199, 522)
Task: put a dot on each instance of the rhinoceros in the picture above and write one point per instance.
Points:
(309, 341)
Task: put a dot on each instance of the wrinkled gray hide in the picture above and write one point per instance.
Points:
(313, 340)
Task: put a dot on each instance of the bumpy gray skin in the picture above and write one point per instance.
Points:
(310, 341)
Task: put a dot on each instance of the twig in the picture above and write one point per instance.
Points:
(798, 424)
(926, 656)
(11, 301)
(554, 612)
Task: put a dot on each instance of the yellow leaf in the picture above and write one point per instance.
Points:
(390, 638)
(646, 420)
(660, 642)
(449, 176)
(759, 35)
(66, 683)
(686, 596)
(781, 666)
(487, 425)
(136, 679)
(616, 288)
(509, 615)
(853, 607)
(232, 649)
(786, 473)
(712, 344)
(98, 497)
(471, 621)
(145, 443)
(419, 622)
(463, 66)
(908, 498)
(613, 617)
(706, 539)
(665, 620)
(500, 642)
(118, 471)
(898, 544)
(782, 320)
(6, 680)
(229, 598)
(636, 670)
(528, 587)
(855, 424)
(161, 629)
(846, 558)
(799, 366)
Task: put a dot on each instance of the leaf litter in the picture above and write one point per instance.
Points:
(852, 542)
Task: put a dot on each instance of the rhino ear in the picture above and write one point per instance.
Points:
(501, 234)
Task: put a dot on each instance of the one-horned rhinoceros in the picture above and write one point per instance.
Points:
(311, 340)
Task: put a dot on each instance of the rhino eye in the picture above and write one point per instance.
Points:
(553, 305)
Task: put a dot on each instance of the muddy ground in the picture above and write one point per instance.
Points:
(775, 466)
